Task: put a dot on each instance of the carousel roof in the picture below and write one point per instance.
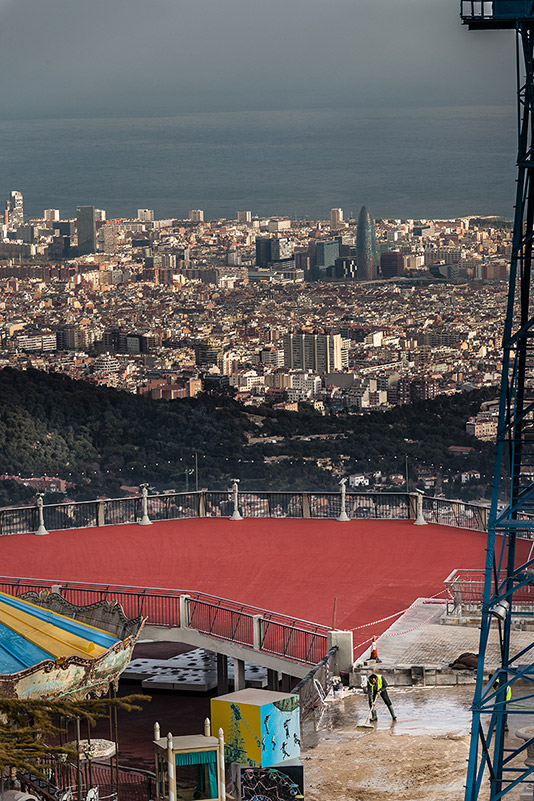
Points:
(30, 634)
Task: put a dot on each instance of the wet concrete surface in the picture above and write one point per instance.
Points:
(420, 757)
(419, 710)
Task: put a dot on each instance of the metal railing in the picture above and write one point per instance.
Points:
(314, 687)
(181, 505)
(307, 645)
(132, 784)
(465, 589)
(219, 620)
(255, 628)
(455, 513)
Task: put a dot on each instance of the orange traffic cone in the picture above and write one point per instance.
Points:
(374, 651)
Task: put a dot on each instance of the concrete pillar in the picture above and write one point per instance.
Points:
(272, 680)
(483, 518)
(412, 506)
(185, 619)
(202, 504)
(287, 683)
(344, 656)
(41, 529)
(257, 632)
(100, 513)
(222, 674)
(239, 674)
(306, 509)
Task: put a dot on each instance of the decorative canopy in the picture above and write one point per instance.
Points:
(45, 653)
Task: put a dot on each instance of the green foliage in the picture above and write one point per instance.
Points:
(100, 439)
(26, 727)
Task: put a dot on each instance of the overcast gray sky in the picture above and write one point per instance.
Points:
(144, 57)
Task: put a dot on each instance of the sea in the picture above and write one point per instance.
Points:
(401, 162)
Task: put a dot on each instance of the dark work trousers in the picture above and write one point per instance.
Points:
(385, 698)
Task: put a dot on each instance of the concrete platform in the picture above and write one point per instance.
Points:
(417, 650)
(249, 562)
(193, 671)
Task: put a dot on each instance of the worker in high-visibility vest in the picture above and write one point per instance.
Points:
(377, 685)
(508, 697)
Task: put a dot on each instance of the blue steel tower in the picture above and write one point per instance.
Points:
(366, 246)
(509, 573)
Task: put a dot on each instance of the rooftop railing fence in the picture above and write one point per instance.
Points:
(252, 627)
(181, 505)
(465, 590)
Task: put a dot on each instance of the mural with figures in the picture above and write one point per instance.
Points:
(261, 728)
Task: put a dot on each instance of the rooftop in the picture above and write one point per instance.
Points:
(374, 568)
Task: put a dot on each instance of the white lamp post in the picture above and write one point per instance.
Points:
(41, 530)
(343, 517)
(145, 520)
(235, 493)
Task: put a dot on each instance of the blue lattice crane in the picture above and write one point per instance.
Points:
(509, 573)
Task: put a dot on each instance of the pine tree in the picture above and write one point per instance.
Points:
(27, 726)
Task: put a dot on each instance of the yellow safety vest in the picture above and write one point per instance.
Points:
(508, 690)
(378, 683)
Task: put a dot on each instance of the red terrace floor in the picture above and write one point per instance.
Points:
(296, 567)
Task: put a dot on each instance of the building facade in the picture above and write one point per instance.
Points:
(366, 246)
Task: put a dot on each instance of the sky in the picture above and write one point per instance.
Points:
(84, 58)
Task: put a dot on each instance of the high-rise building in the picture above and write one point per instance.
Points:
(366, 246)
(243, 216)
(100, 215)
(325, 253)
(15, 209)
(86, 226)
(336, 219)
(145, 215)
(196, 215)
(281, 249)
(391, 264)
(318, 352)
(51, 215)
(263, 251)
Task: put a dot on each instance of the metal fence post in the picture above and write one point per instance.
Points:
(145, 520)
(41, 530)
(306, 508)
(412, 505)
(185, 616)
(257, 632)
(482, 518)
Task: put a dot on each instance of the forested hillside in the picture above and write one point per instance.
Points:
(100, 439)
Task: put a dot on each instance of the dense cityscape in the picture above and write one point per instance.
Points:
(339, 317)
(279, 310)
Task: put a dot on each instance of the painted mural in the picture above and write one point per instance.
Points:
(261, 728)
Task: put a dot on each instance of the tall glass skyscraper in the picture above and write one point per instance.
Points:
(86, 225)
(366, 246)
